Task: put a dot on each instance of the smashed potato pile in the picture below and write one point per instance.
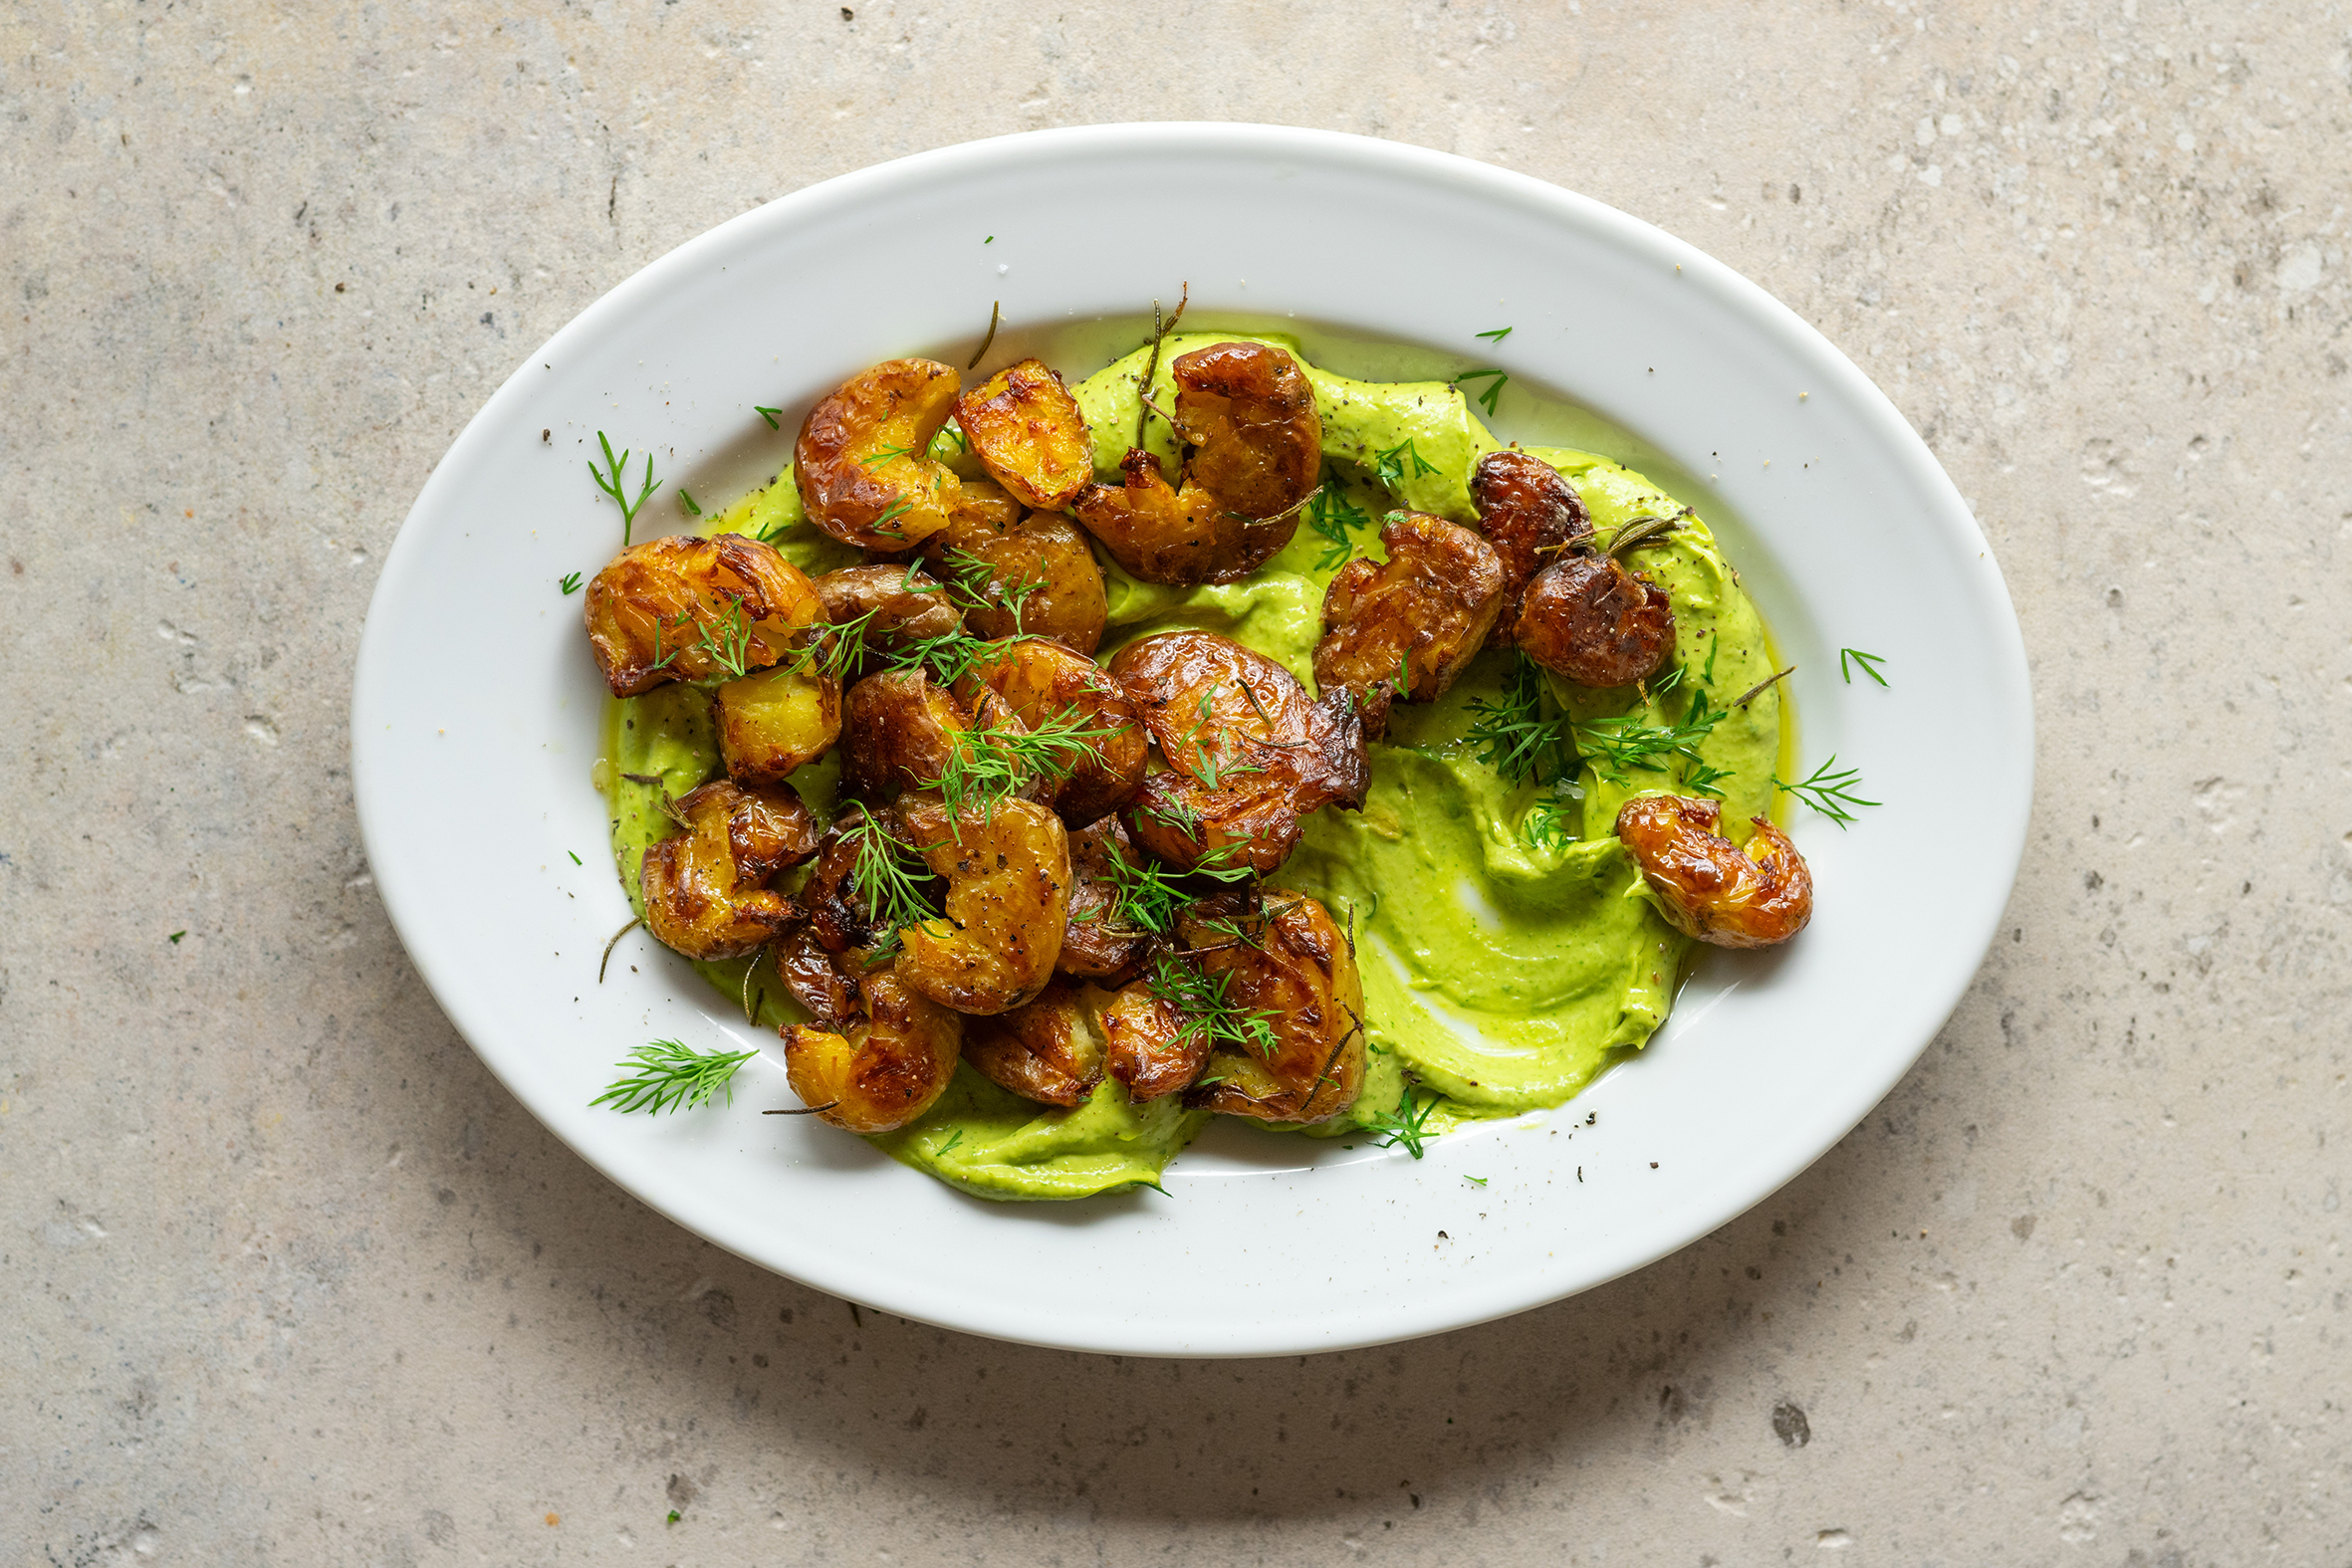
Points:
(952, 828)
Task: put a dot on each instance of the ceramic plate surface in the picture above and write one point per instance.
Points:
(476, 711)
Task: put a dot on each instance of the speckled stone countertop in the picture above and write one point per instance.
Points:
(292, 1281)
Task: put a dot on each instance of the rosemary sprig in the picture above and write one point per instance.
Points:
(1407, 1127)
(1829, 791)
(1868, 661)
(667, 1076)
(1201, 1000)
(614, 481)
(1389, 466)
(568, 583)
(1496, 380)
(1159, 334)
(1335, 520)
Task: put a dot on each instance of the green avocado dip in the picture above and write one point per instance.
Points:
(1509, 948)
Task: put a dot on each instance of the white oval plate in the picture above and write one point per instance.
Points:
(475, 721)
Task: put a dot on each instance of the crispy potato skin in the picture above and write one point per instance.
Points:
(1531, 516)
(1006, 866)
(1095, 945)
(774, 722)
(1019, 573)
(1589, 618)
(1427, 609)
(849, 486)
(1047, 1051)
(1248, 752)
(686, 586)
(1296, 968)
(898, 730)
(1250, 414)
(1043, 682)
(1708, 886)
(882, 1071)
(1184, 536)
(705, 890)
(1027, 432)
(825, 982)
(907, 607)
(1147, 1046)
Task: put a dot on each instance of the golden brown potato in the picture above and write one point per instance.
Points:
(823, 982)
(1287, 962)
(1407, 626)
(1590, 619)
(898, 730)
(1017, 573)
(687, 608)
(1531, 516)
(772, 722)
(882, 1071)
(1249, 415)
(1707, 886)
(1097, 944)
(705, 890)
(906, 605)
(1182, 536)
(1027, 431)
(1249, 752)
(839, 913)
(1147, 1043)
(862, 460)
(1047, 1051)
(1007, 867)
(1045, 684)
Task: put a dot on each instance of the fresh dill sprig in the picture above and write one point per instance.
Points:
(946, 658)
(1829, 791)
(877, 459)
(667, 1075)
(1201, 1000)
(614, 481)
(1496, 336)
(1868, 661)
(890, 513)
(991, 761)
(568, 583)
(888, 891)
(1548, 824)
(1496, 380)
(687, 502)
(726, 642)
(975, 579)
(767, 414)
(1148, 898)
(1407, 1127)
(1704, 779)
(1614, 744)
(1513, 736)
(1389, 466)
(1215, 761)
(1335, 520)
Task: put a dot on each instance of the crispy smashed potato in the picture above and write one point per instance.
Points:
(1248, 752)
(881, 1071)
(1018, 573)
(1589, 618)
(1293, 967)
(1407, 626)
(1148, 1046)
(1530, 515)
(1096, 945)
(772, 722)
(691, 596)
(1044, 683)
(1250, 414)
(1007, 867)
(1707, 886)
(907, 606)
(1184, 536)
(842, 919)
(862, 460)
(1047, 1051)
(823, 982)
(898, 730)
(1027, 431)
(706, 892)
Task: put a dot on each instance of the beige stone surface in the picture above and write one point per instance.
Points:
(291, 1280)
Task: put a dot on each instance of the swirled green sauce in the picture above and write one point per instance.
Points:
(1503, 969)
